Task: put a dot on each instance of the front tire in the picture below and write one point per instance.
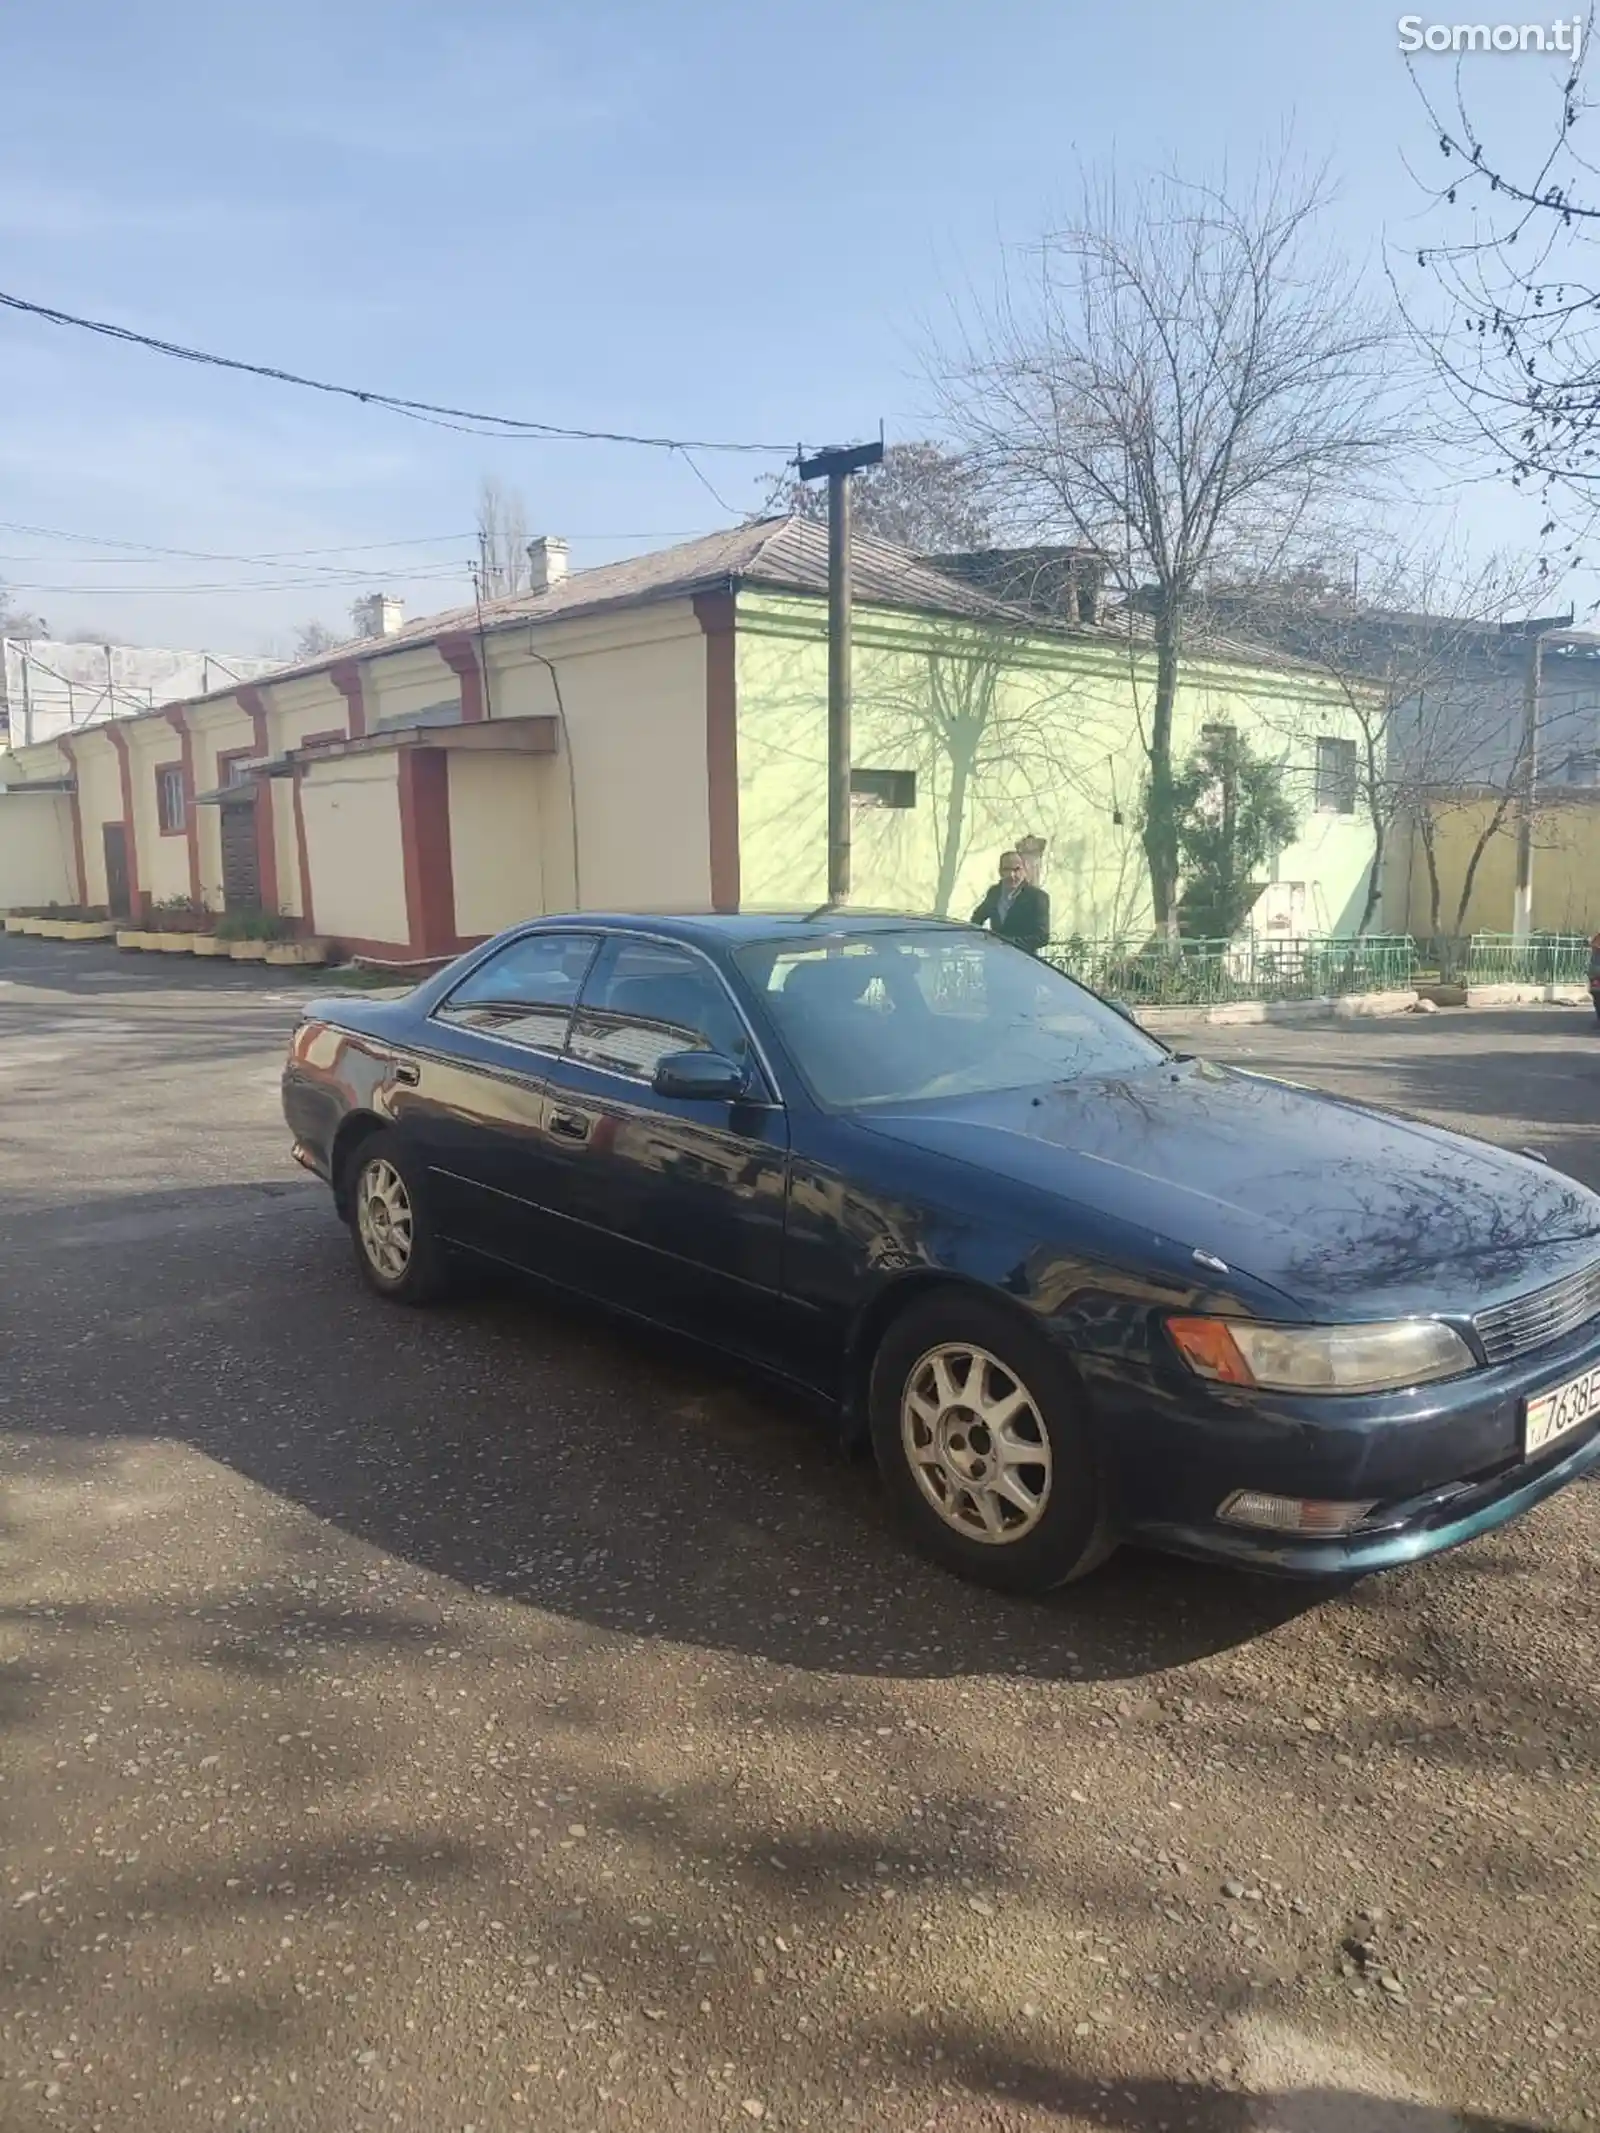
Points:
(985, 1448)
(397, 1246)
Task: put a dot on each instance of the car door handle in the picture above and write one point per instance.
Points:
(570, 1125)
(408, 1073)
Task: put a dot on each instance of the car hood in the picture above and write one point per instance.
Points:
(1345, 1210)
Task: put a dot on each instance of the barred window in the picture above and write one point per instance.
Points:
(1336, 775)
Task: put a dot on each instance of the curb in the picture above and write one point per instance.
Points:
(1345, 1007)
(1527, 995)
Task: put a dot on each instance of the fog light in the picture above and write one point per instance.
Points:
(1290, 1514)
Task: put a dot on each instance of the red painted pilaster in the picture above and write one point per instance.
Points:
(347, 679)
(460, 655)
(425, 850)
(715, 613)
(254, 701)
(67, 750)
(119, 741)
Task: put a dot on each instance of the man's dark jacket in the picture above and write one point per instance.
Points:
(1026, 924)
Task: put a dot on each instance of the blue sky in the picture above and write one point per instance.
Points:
(709, 220)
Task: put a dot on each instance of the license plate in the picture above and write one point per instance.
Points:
(1556, 1414)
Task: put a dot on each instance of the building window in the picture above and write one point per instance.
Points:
(170, 810)
(230, 766)
(884, 788)
(1583, 767)
(1336, 776)
(1225, 735)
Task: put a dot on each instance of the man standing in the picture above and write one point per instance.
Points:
(1014, 908)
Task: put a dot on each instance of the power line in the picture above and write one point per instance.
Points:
(419, 410)
(209, 555)
(272, 556)
(457, 574)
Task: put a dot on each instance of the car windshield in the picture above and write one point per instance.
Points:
(909, 1017)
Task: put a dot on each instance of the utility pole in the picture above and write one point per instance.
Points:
(838, 467)
(1522, 902)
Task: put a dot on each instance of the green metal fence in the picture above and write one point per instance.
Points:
(1210, 973)
(1538, 959)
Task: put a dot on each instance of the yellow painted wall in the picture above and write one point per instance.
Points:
(163, 861)
(634, 691)
(36, 862)
(401, 684)
(1061, 759)
(1566, 870)
(99, 802)
(352, 818)
(495, 839)
(309, 704)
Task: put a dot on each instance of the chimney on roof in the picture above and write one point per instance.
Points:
(1087, 579)
(378, 615)
(547, 563)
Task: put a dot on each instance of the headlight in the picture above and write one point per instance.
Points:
(1378, 1358)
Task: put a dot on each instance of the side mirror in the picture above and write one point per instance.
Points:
(706, 1076)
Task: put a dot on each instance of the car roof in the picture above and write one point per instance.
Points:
(736, 928)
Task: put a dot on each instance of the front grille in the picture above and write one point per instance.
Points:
(1529, 1322)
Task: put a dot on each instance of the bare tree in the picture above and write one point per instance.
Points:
(1419, 664)
(312, 639)
(923, 497)
(1516, 334)
(1182, 384)
(503, 566)
(14, 622)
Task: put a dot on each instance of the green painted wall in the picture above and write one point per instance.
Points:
(1048, 732)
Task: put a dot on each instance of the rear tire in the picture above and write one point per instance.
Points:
(397, 1247)
(985, 1448)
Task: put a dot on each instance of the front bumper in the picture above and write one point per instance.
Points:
(1394, 1534)
(1441, 1465)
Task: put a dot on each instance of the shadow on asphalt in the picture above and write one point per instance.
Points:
(1538, 1065)
(531, 1448)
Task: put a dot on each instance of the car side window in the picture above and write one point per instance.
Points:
(524, 992)
(646, 999)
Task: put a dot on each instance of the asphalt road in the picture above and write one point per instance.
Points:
(485, 1719)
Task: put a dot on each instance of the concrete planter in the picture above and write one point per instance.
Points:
(175, 943)
(16, 925)
(208, 944)
(302, 952)
(249, 951)
(134, 937)
(49, 929)
(88, 929)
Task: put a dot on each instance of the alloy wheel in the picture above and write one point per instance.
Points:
(384, 1219)
(976, 1442)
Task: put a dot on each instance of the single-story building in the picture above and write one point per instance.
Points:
(652, 733)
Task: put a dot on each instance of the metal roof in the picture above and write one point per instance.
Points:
(781, 554)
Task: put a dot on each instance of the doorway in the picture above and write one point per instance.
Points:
(119, 900)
